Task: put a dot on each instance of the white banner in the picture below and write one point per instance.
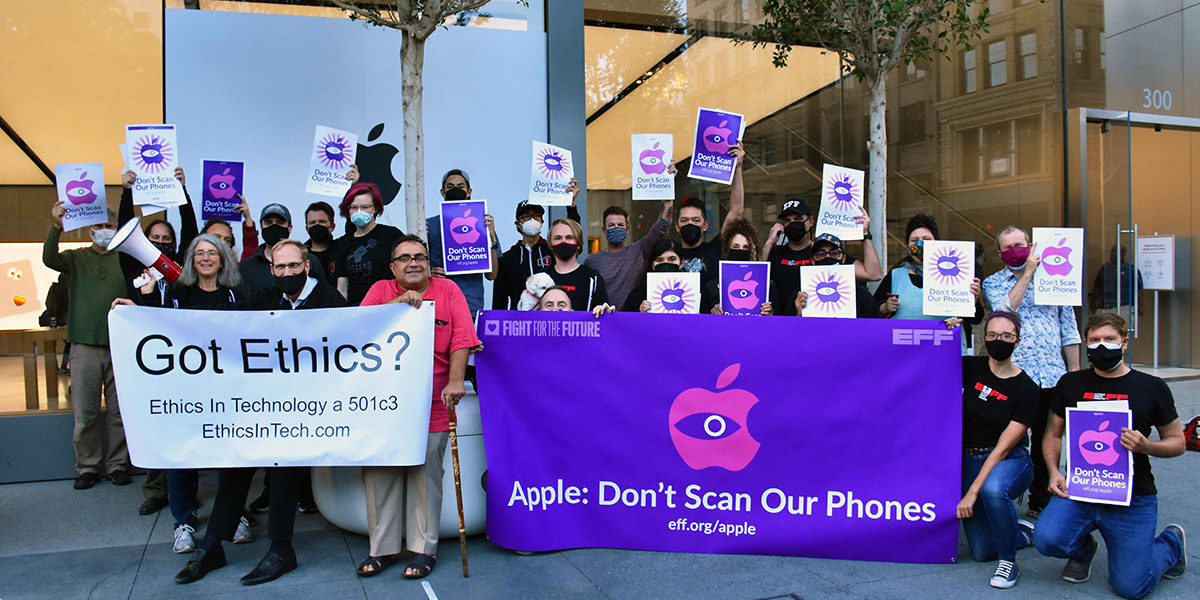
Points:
(949, 269)
(330, 387)
(1059, 279)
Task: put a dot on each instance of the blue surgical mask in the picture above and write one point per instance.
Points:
(360, 218)
(616, 235)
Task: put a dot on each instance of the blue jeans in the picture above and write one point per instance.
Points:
(1136, 558)
(992, 530)
(182, 485)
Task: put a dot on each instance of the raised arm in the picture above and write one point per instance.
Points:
(737, 193)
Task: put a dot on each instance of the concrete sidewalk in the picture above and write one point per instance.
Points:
(56, 542)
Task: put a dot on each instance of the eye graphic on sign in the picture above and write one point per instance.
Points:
(672, 296)
(334, 151)
(552, 163)
(949, 266)
(464, 229)
(844, 192)
(1098, 446)
(1056, 260)
(830, 294)
(151, 154)
(709, 428)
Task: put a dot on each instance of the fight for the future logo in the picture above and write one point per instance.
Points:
(709, 428)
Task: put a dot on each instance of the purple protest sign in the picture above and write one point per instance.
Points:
(1099, 468)
(723, 452)
(744, 287)
(716, 131)
(222, 184)
(464, 237)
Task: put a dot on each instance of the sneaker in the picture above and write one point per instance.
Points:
(307, 504)
(1080, 571)
(185, 541)
(1177, 571)
(243, 534)
(1006, 575)
(120, 477)
(1025, 527)
(86, 480)
(262, 502)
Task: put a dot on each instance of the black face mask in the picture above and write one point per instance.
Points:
(1105, 359)
(164, 247)
(739, 255)
(456, 194)
(666, 268)
(291, 285)
(795, 231)
(690, 234)
(825, 262)
(565, 250)
(273, 233)
(999, 349)
(319, 234)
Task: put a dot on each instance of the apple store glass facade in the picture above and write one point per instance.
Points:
(1077, 113)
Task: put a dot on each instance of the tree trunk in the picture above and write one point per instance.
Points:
(412, 62)
(877, 169)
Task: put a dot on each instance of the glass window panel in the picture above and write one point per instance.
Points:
(997, 63)
(1028, 55)
(968, 62)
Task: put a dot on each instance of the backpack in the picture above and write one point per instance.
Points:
(1191, 435)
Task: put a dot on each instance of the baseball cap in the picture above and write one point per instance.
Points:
(828, 238)
(795, 205)
(275, 208)
(459, 172)
(524, 206)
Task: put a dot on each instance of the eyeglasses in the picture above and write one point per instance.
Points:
(992, 336)
(208, 253)
(404, 259)
(820, 254)
(292, 268)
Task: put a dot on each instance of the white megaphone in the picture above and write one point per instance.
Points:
(130, 240)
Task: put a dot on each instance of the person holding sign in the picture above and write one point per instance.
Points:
(741, 242)
(454, 339)
(583, 283)
(1051, 344)
(456, 186)
(999, 401)
(828, 249)
(1137, 558)
(529, 256)
(664, 258)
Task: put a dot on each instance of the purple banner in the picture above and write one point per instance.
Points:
(465, 245)
(1099, 468)
(744, 287)
(222, 184)
(716, 131)
(846, 449)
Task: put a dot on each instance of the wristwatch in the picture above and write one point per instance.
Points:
(867, 235)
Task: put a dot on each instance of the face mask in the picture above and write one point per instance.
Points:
(666, 267)
(1105, 356)
(917, 249)
(565, 250)
(824, 262)
(1000, 349)
(164, 247)
(103, 236)
(795, 231)
(273, 233)
(291, 284)
(740, 254)
(690, 233)
(456, 194)
(318, 233)
(1015, 257)
(616, 235)
(531, 228)
(360, 218)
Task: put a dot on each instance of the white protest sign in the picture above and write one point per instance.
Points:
(673, 292)
(949, 268)
(331, 387)
(1156, 262)
(651, 154)
(81, 190)
(550, 175)
(1059, 279)
(153, 156)
(831, 291)
(331, 154)
(841, 201)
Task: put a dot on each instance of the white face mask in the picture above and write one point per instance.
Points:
(531, 227)
(103, 236)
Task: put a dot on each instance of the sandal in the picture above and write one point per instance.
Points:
(375, 565)
(422, 565)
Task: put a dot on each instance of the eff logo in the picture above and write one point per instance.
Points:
(915, 337)
(1103, 396)
(709, 428)
(987, 393)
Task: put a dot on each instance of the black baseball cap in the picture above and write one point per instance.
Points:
(525, 207)
(795, 206)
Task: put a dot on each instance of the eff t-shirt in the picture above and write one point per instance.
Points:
(991, 403)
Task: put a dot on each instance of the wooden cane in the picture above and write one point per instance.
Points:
(462, 526)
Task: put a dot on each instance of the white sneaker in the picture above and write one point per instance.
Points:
(243, 534)
(184, 540)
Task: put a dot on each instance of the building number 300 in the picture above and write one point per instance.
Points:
(1159, 99)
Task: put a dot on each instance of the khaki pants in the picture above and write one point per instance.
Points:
(91, 373)
(412, 492)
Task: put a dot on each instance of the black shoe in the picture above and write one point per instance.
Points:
(198, 567)
(262, 502)
(86, 480)
(120, 477)
(307, 504)
(270, 568)
(151, 506)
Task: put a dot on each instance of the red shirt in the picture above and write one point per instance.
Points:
(453, 329)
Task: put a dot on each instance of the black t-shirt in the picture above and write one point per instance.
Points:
(584, 286)
(365, 260)
(1149, 398)
(326, 257)
(991, 403)
(785, 277)
(704, 259)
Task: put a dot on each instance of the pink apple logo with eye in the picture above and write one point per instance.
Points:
(221, 185)
(463, 229)
(1057, 259)
(716, 139)
(1098, 446)
(743, 294)
(651, 161)
(80, 191)
(709, 428)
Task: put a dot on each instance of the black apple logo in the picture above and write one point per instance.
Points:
(375, 165)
